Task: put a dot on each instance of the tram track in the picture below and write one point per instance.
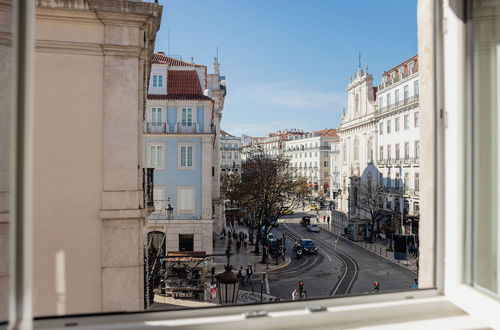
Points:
(350, 267)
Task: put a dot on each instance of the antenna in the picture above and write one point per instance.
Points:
(168, 42)
(217, 53)
(359, 60)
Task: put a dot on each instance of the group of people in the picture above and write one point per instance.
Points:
(240, 239)
(245, 275)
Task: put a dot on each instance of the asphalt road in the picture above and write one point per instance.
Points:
(321, 273)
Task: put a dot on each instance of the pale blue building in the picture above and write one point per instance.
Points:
(181, 143)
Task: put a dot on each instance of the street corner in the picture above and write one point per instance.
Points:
(272, 268)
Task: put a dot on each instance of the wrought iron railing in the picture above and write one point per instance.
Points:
(148, 187)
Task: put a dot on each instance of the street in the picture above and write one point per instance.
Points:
(325, 274)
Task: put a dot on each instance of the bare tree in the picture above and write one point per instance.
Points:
(267, 188)
(370, 200)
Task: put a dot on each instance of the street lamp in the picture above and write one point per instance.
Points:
(170, 211)
(227, 284)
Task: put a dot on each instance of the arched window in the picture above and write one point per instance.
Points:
(356, 149)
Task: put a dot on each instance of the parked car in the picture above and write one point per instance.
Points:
(313, 228)
(308, 246)
(287, 212)
(314, 207)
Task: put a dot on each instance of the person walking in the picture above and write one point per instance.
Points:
(249, 272)
(324, 218)
(328, 220)
(241, 277)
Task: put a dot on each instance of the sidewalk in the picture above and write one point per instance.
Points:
(248, 293)
(378, 248)
(244, 257)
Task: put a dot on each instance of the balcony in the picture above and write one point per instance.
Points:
(400, 104)
(147, 188)
(160, 128)
(187, 129)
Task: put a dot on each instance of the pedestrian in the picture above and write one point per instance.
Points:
(224, 232)
(221, 236)
(238, 245)
(240, 276)
(229, 243)
(324, 218)
(376, 286)
(249, 273)
(328, 219)
(228, 234)
(415, 284)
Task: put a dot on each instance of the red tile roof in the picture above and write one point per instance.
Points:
(328, 132)
(181, 85)
(183, 82)
(178, 97)
(158, 58)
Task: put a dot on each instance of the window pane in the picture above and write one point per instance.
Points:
(486, 141)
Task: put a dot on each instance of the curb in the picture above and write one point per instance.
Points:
(281, 266)
(374, 253)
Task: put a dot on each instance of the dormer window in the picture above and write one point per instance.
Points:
(157, 80)
(401, 72)
(411, 65)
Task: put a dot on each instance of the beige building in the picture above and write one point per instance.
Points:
(91, 69)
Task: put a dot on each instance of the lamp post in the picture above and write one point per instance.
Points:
(170, 211)
(227, 283)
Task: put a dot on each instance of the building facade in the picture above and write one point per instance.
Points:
(357, 133)
(380, 140)
(180, 135)
(272, 145)
(91, 59)
(310, 155)
(230, 153)
(335, 166)
(398, 118)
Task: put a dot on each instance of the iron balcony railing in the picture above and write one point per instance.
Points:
(193, 128)
(147, 188)
(156, 128)
(407, 101)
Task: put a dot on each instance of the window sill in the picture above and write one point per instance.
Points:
(414, 310)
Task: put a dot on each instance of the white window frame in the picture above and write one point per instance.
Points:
(155, 111)
(179, 156)
(158, 80)
(149, 146)
(159, 205)
(186, 211)
(450, 255)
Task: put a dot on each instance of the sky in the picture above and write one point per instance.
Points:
(287, 62)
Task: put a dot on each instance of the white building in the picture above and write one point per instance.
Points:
(335, 166)
(398, 136)
(272, 144)
(230, 153)
(380, 139)
(357, 134)
(309, 154)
